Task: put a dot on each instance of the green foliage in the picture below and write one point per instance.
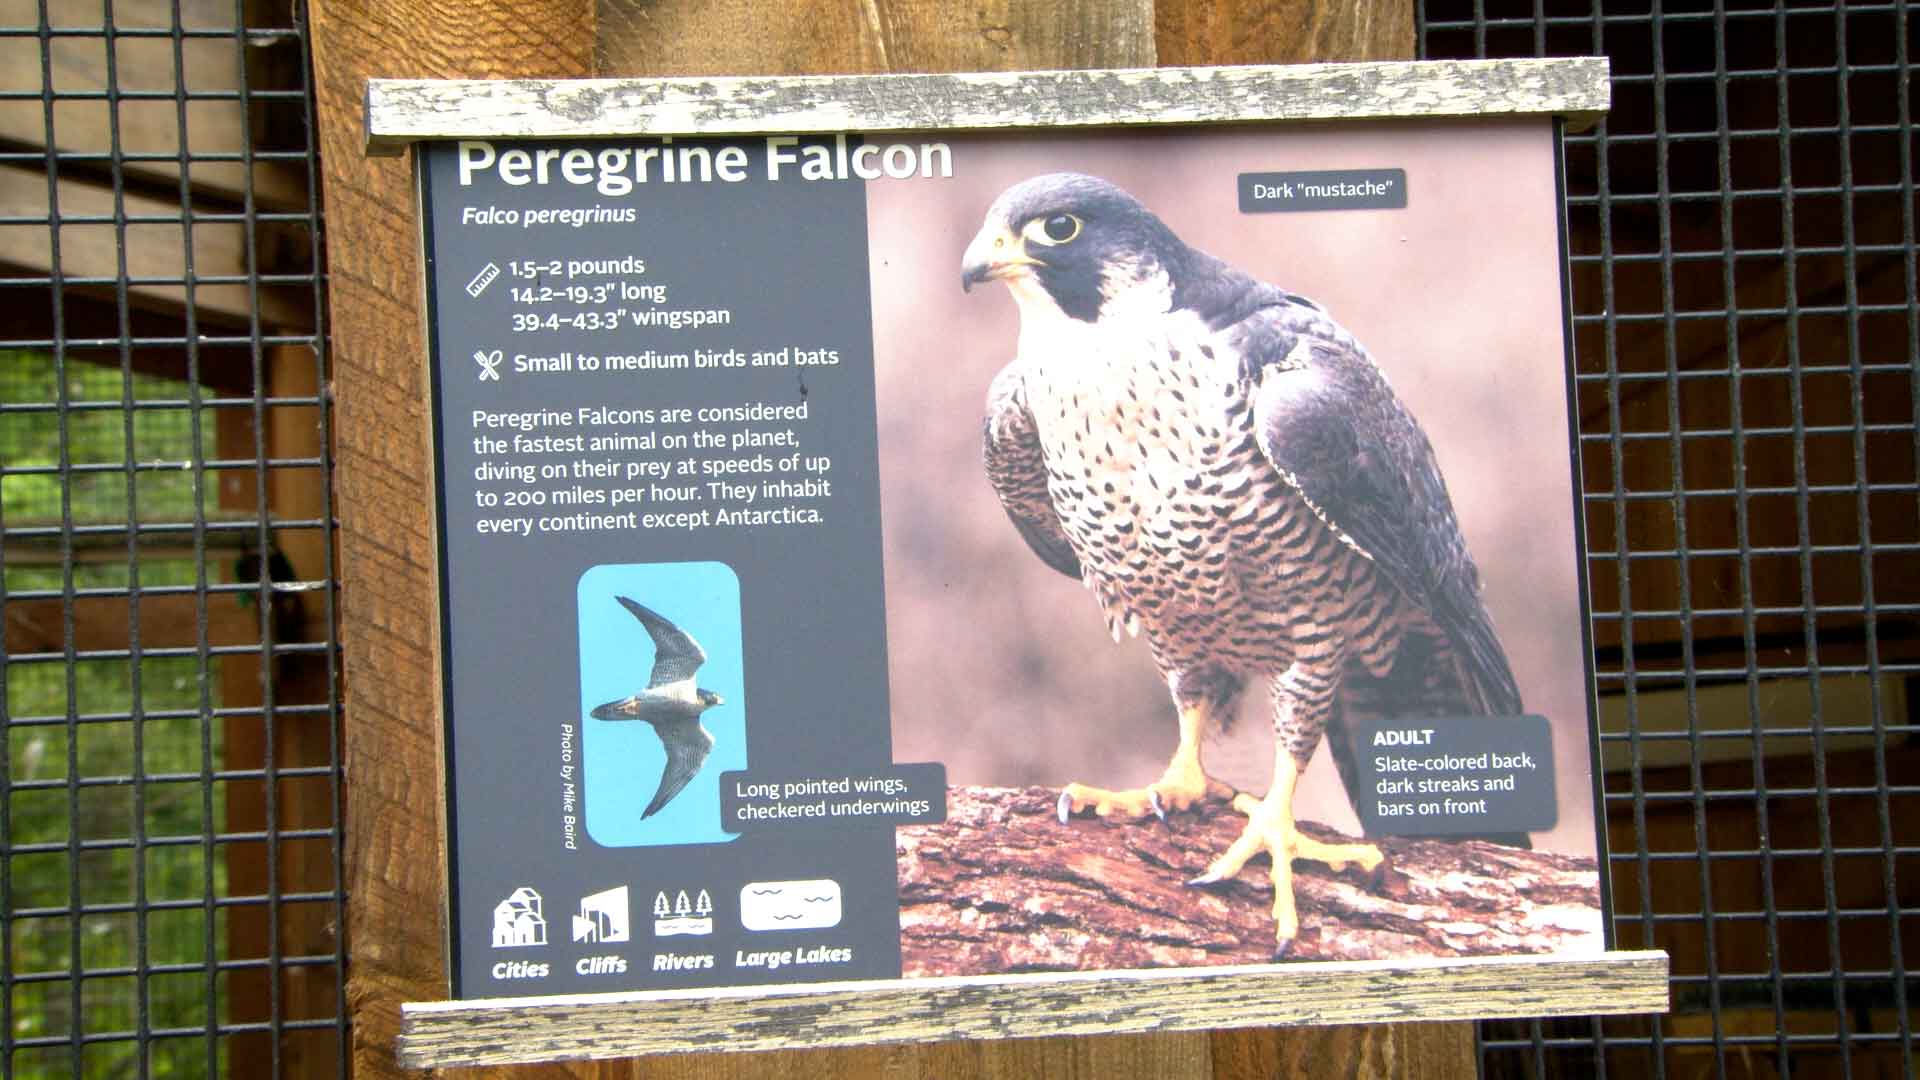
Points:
(109, 763)
(93, 436)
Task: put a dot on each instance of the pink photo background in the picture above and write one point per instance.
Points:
(1001, 667)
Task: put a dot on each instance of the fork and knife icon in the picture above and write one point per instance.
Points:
(489, 364)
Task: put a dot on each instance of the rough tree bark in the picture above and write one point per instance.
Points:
(1003, 886)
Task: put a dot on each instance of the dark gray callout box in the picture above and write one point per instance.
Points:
(1456, 776)
(1327, 189)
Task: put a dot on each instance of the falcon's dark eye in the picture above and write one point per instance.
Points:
(1053, 229)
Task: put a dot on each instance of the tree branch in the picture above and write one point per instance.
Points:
(1003, 886)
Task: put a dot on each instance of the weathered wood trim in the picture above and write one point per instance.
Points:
(508, 1030)
(401, 111)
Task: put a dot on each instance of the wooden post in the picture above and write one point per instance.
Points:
(302, 865)
(394, 832)
(392, 753)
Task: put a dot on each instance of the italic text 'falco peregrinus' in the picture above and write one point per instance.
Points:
(1225, 468)
(670, 702)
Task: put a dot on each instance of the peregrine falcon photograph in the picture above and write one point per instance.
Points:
(1179, 497)
(670, 703)
(1223, 466)
(663, 705)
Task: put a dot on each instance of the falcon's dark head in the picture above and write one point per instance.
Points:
(708, 699)
(1075, 243)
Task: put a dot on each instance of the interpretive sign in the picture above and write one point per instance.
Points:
(933, 553)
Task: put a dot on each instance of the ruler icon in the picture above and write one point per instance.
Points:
(482, 279)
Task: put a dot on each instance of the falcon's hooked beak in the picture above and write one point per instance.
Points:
(994, 255)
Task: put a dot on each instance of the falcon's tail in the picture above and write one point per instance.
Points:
(1485, 676)
(1468, 673)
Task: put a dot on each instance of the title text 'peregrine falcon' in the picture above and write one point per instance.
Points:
(615, 170)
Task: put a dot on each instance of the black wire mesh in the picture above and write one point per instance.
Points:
(1747, 325)
(170, 882)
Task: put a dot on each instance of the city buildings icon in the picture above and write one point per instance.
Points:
(517, 920)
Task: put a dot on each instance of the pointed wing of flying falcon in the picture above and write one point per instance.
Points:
(676, 656)
(687, 746)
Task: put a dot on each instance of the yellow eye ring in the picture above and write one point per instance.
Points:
(1052, 230)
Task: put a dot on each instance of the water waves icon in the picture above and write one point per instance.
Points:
(790, 905)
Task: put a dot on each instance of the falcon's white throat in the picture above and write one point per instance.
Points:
(1132, 291)
(1135, 287)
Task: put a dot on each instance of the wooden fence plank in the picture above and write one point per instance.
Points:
(1281, 31)
(392, 755)
(146, 67)
(155, 249)
(691, 37)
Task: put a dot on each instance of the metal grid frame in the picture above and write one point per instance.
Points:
(108, 320)
(1727, 114)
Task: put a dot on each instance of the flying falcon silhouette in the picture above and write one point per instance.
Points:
(1229, 473)
(671, 703)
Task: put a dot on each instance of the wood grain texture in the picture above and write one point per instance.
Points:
(392, 755)
(155, 250)
(1002, 886)
(401, 111)
(507, 1030)
(1281, 31)
(1179, 1055)
(1408, 1051)
(692, 37)
(145, 64)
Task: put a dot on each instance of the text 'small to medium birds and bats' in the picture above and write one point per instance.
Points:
(867, 558)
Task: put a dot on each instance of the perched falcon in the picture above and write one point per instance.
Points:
(1225, 468)
(671, 703)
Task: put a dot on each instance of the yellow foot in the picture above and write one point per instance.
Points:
(1270, 828)
(1182, 787)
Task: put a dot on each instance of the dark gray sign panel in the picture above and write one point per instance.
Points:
(661, 561)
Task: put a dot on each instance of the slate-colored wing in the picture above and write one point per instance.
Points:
(687, 746)
(1018, 472)
(1329, 423)
(676, 656)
